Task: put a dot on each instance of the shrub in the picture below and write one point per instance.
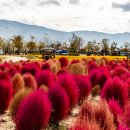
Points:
(13, 109)
(126, 116)
(78, 68)
(34, 112)
(54, 68)
(103, 77)
(63, 62)
(92, 66)
(95, 91)
(44, 88)
(85, 125)
(31, 68)
(12, 71)
(6, 92)
(75, 61)
(100, 113)
(4, 76)
(115, 88)
(29, 81)
(127, 82)
(45, 77)
(62, 71)
(17, 82)
(84, 86)
(118, 71)
(45, 66)
(115, 109)
(69, 84)
(94, 77)
(60, 103)
(121, 127)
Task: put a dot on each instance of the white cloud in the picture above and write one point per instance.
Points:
(93, 15)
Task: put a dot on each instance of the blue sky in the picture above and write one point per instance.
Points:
(112, 16)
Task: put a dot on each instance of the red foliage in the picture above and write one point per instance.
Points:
(94, 77)
(91, 66)
(63, 62)
(115, 88)
(12, 71)
(4, 76)
(29, 81)
(45, 66)
(75, 61)
(62, 71)
(127, 82)
(84, 85)
(115, 109)
(6, 92)
(34, 112)
(60, 103)
(121, 127)
(45, 77)
(69, 84)
(31, 68)
(99, 113)
(118, 71)
(126, 116)
(103, 77)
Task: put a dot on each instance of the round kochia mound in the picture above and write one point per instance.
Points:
(34, 112)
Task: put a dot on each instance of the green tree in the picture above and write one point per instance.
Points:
(41, 45)
(105, 46)
(17, 43)
(31, 45)
(75, 44)
(2, 41)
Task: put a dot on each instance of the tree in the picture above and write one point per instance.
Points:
(75, 44)
(127, 45)
(41, 45)
(2, 41)
(31, 45)
(17, 43)
(105, 46)
(113, 48)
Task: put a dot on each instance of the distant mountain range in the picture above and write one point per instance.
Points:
(11, 28)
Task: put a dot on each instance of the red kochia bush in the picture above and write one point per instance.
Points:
(94, 77)
(34, 112)
(45, 77)
(121, 127)
(103, 77)
(6, 92)
(60, 103)
(12, 71)
(126, 116)
(68, 83)
(62, 71)
(84, 85)
(45, 66)
(4, 76)
(63, 62)
(119, 71)
(115, 109)
(31, 68)
(29, 81)
(98, 112)
(115, 88)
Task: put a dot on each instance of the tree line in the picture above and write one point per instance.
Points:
(76, 46)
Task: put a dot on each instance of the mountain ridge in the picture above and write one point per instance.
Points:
(10, 28)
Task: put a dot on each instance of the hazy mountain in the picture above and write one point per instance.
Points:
(10, 28)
